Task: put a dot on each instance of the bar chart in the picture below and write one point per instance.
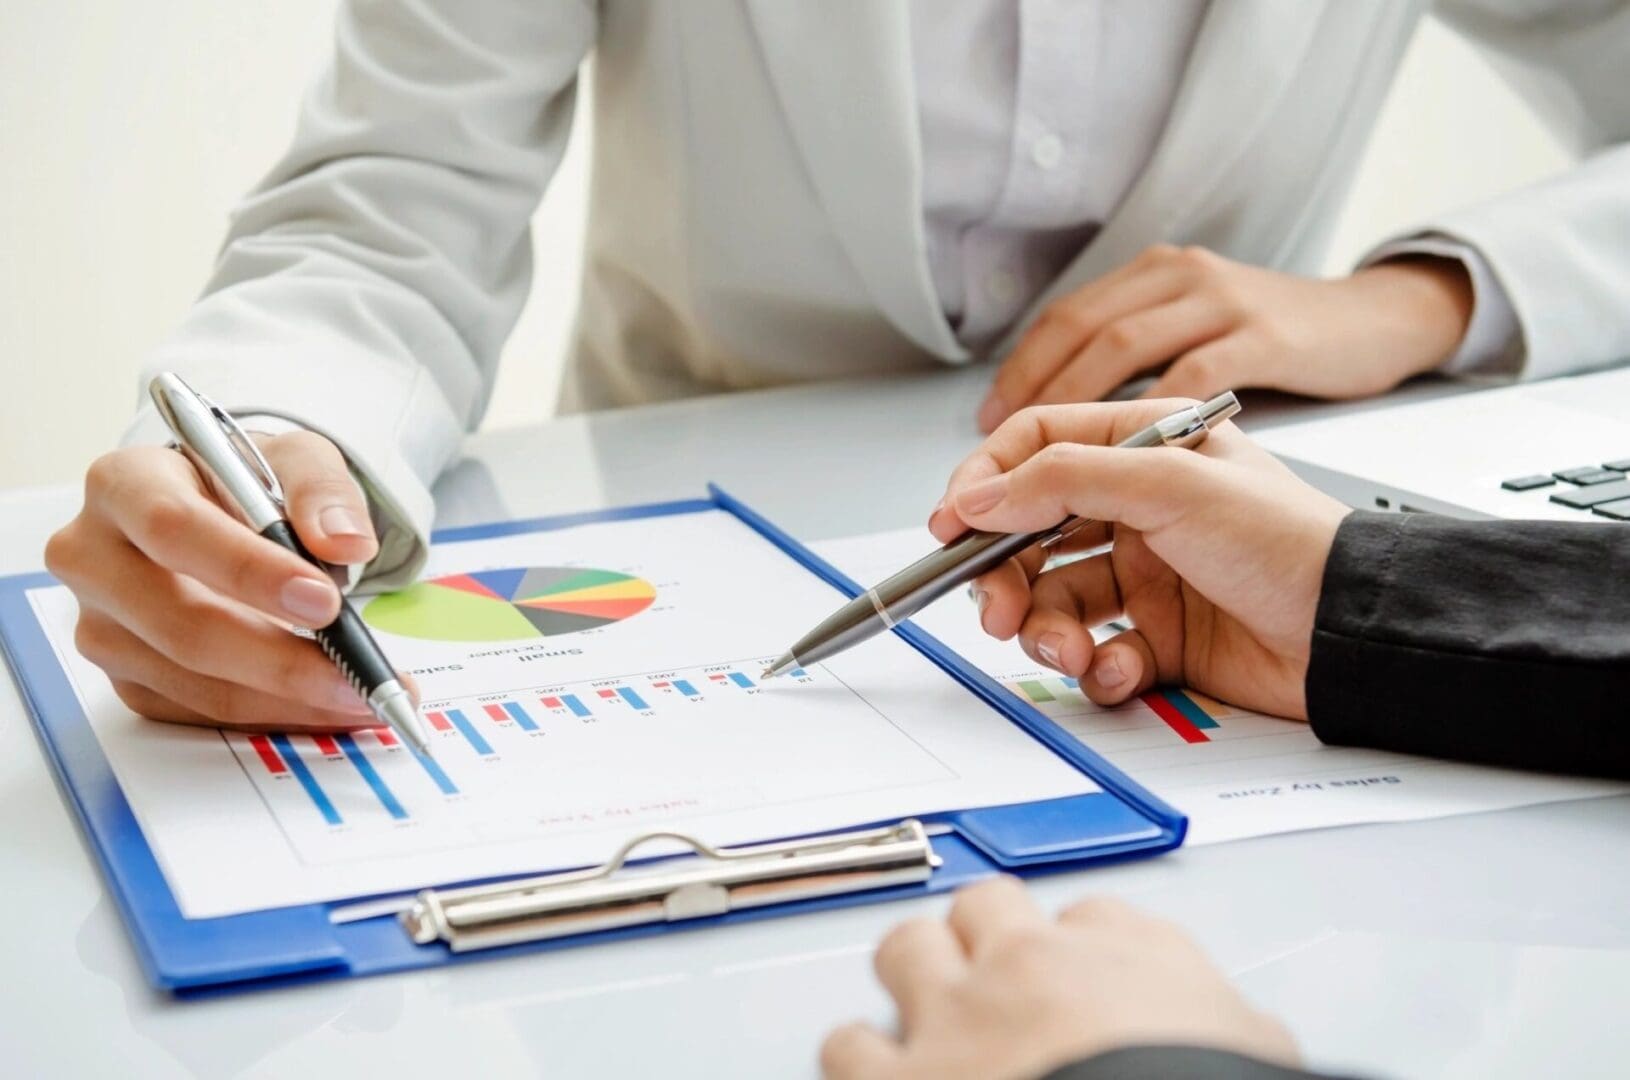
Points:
(371, 783)
(1187, 714)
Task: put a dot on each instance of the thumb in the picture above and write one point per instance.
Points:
(325, 505)
(1143, 489)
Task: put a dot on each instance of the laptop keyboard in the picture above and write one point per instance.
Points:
(1603, 490)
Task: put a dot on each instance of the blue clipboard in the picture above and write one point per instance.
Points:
(266, 948)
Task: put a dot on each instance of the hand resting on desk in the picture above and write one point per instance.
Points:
(1218, 558)
(1001, 989)
(186, 609)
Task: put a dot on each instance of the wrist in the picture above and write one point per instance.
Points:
(1421, 306)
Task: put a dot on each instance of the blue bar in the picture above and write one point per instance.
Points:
(632, 698)
(307, 781)
(387, 798)
(1073, 684)
(442, 780)
(1192, 712)
(799, 673)
(520, 716)
(469, 732)
(741, 680)
(575, 705)
(685, 688)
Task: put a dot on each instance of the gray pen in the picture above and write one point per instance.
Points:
(225, 454)
(973, 553)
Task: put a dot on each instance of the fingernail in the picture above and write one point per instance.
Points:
(342, 521)
(1049, 645)
(982, 598)
(983, 495)
(1107, 671)
(992, 412)
(308, 601)
(344, 698)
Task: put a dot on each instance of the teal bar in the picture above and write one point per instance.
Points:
(1192, 712)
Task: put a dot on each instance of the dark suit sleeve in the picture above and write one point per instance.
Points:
(1175, 1063)
(1504, 642)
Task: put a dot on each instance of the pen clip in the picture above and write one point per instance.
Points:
(246, 449)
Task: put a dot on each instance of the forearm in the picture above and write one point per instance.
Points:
(1506, 643)
(366, 287)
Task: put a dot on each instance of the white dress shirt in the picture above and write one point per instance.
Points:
(1035, 117)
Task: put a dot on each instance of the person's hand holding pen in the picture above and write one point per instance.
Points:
(1217, 561)
(185, 608)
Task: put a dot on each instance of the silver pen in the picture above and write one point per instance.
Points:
(896, 599)
(221, 450)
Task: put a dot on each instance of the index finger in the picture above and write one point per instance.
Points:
(157, 502)
(1031, 430)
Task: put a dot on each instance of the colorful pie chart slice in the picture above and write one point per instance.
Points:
(510, 604)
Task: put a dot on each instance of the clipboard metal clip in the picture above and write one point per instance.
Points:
(708, 881)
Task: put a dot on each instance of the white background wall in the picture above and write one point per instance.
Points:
(127, 130)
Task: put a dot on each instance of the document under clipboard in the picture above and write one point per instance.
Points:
(628, 895)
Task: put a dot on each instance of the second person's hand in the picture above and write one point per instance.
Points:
(1218, 559)
(186, 609)
(1223, 325)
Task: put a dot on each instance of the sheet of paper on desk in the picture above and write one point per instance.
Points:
(1234, 773)
(581, 686)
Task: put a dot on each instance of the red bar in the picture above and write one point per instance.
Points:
(439, 722)
(552, 703)
(661, 685)
(719, 677)
(497, 713)
(608, 693)
(1174, 719)
(385, 736)
(326, 745)
(268, 756)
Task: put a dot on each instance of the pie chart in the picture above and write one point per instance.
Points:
(507, 605)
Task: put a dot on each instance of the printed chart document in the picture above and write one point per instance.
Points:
(1234, 773)
(582, 685)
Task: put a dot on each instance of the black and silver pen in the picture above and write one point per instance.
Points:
(221, 449)
(901, 596)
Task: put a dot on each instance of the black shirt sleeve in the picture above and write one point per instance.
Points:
(1501, 642)
(1175, 1063)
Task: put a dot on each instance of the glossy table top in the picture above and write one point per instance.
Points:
(1480, 946)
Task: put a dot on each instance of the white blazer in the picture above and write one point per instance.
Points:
(755, 216)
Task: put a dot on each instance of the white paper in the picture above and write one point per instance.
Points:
(241, 823)
(1252, 775)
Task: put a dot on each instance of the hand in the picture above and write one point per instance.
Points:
(186, 608)
(1223, 325)
(1218, 560)
(998, 989)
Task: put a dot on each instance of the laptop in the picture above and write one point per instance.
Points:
(1557, 449)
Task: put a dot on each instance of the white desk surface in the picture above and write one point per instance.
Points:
(1482, 946)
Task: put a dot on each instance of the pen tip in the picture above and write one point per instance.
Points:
(767, 673)
(403, 718)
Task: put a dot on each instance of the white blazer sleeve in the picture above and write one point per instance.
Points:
(1560, 249)
(366, 286)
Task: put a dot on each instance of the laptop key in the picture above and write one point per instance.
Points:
(1618, 510)
(1621, 465)
(1600, 476)
(1527, 483)
(1595, 495)
(1578, 475)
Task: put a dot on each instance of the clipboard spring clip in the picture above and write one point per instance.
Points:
(707, 881)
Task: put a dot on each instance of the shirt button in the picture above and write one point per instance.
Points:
(1047, 151)
(1002, 286)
